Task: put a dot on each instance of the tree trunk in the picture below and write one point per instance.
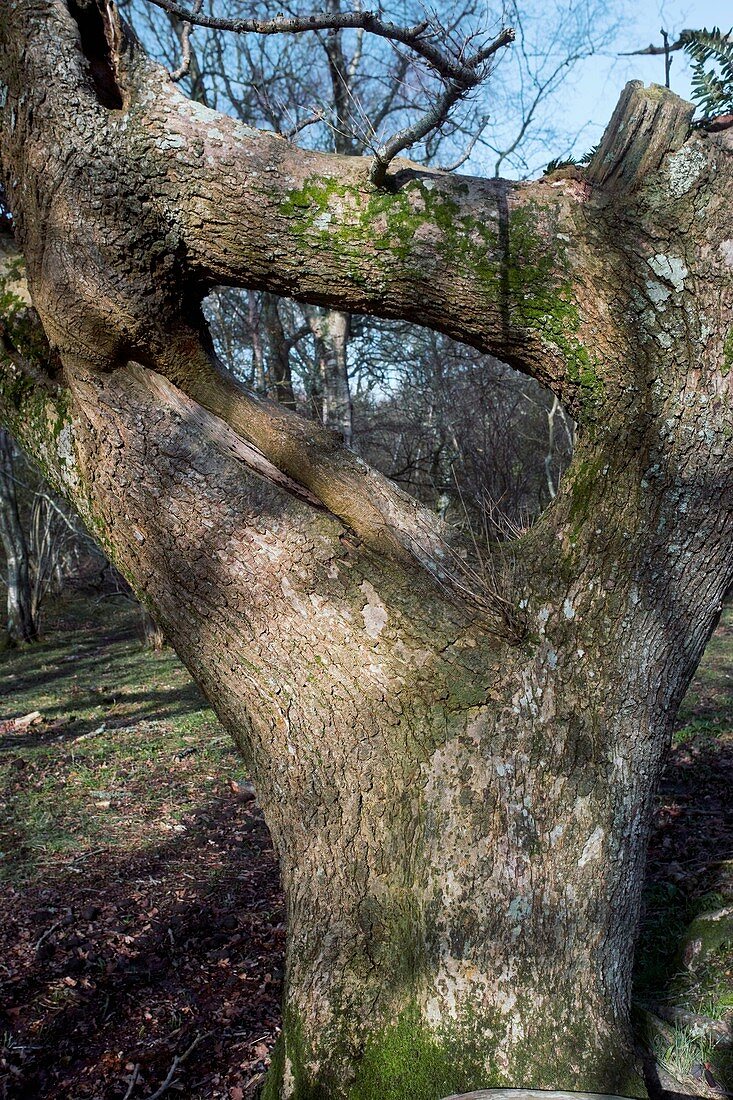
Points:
(456, 753)
(21, 625)
(278, 361)
(461, 821)
(153, 636)
(331, 336)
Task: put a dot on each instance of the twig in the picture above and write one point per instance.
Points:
(178, 1060)
(186, 29)
(133, 1082)
(317, 116)
(656, 51)
(66, 919)
(92, 733)
(460, 161)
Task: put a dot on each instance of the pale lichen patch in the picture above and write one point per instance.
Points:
(672, 269)
(592, 846)
(683, 169)
(374, 612)
(657, 292)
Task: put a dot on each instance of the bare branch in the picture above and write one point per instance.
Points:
(433, 118)
(406, 137)
(178, 1060)
(316, 116)
(186, 29)
(459, 69)
(442, 61)
(461, 160)
(657, 50)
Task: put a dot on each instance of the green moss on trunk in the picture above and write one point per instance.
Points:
(406, 1060)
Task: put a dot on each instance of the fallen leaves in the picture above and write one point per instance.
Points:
(139, 956)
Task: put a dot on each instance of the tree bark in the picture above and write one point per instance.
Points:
(330, 330)
(21, 623)
(456, 754)
(279, 346)
(153, 636)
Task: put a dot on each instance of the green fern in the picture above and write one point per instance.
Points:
(559, 162)
(711, 53)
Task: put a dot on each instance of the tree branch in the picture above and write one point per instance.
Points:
(420, 37)
(652, 50)
(185, 65)
(460, 71)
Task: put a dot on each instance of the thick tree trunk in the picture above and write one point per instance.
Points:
(21, 623)
(456, 757)
(461, 821)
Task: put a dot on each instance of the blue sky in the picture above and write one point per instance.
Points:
(571, 120)
(601, 78)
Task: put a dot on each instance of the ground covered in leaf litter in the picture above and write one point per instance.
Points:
(141, 920)
(141, 930)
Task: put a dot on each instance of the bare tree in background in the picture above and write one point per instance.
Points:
(21, 624)
(43, 543)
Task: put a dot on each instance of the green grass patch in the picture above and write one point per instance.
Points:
(126, 745)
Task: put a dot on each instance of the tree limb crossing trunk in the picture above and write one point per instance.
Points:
(457, 766)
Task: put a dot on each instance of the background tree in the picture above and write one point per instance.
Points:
(21, 623)
(44, 546)
(455, 744)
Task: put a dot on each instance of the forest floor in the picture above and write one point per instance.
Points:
(141, 919)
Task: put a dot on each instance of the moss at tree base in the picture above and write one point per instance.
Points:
(407, 1061)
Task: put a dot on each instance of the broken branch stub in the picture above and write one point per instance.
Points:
(648, 123)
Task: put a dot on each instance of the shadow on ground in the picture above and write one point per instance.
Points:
(114, 966)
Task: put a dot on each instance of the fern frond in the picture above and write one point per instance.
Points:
(711, 53)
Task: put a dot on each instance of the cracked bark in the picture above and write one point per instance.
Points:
(461, 808)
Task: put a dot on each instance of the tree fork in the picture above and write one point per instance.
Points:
(488, 802)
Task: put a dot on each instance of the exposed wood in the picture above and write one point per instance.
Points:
(648, 124)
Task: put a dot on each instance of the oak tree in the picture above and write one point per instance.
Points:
(455, 750)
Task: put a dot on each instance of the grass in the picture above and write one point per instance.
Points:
(126, 746)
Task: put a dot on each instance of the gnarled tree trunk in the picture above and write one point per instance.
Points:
(456, 759)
